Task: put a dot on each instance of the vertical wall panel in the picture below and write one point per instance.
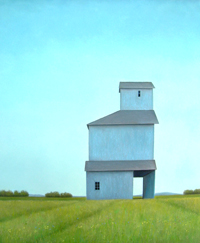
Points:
(129, 99)
(113, 185)
(131, 142)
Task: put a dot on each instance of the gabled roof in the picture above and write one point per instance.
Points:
(136, 85)
(127, 117)
(125, 165)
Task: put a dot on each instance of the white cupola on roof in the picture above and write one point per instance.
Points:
(136, 95)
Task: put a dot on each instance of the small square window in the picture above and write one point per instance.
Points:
(97, 185)
(138, 93)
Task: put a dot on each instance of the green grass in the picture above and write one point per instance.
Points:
(163, 219)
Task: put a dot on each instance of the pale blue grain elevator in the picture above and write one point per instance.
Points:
(121, 146)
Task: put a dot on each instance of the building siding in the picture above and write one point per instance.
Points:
(113, 185)
(130, 142)
(129, 99)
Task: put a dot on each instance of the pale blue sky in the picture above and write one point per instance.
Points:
(60, 67)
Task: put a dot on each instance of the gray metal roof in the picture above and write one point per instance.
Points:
(127, 117)
(136, 85)
(124, 165)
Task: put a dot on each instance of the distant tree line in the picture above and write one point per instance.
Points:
(57, 194)
(196, 191)
(9, 193)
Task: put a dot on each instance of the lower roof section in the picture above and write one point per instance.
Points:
(127, 117)
(122, 165)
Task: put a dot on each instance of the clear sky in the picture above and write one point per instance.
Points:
(60, 67)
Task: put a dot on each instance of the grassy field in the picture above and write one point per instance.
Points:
(163, 219)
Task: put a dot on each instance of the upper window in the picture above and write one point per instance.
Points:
(138, 93)
(97, 185)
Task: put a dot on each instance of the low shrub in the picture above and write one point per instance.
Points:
(9, 193)
(196, 191)
(188, 192)
(52, 194)
(57, 194)
(65, 194)
(16, 194)
(2, 193)
(24, 194)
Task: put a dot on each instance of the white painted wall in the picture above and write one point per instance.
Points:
(124, 142)
(113, 185)
(129, 99)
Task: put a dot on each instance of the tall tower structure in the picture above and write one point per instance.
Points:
(121, 146)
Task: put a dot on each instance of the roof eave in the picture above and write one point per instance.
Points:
(141, 85)
(131, 165)
(115, 124)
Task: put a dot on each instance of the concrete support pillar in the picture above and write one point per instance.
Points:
(149, 185)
